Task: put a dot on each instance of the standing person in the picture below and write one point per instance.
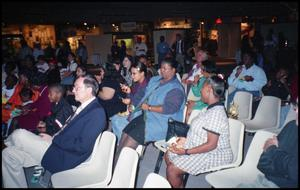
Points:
(82, 53)
(65, 150)
(162, 49)
(207, 142)
(122, 50)
(178, 49)
(140, 48)
(115, 50)
(134, 96)
(164, 98)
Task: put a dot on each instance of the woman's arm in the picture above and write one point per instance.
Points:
(211, 144)
(106, 93)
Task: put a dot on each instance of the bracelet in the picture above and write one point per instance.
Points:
(149, 108)
(185, 152)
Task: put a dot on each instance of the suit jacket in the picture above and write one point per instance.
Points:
(75, 143)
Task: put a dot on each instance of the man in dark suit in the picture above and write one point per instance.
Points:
(66, 149)
(178, 49)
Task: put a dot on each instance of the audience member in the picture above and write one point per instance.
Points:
(68, 148)
(164, 98)
(60, 111)
(247, 77)
(134, 96)
(208, 69)
(207, 143)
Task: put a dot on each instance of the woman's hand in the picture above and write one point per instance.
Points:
(145, 106)
(126, 101)
(173, 148)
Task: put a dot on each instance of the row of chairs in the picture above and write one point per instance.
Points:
(96, 171)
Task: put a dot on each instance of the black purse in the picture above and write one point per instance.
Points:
(176, 128)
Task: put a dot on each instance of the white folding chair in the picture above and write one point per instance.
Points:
(243, 100)
(154, 180)
(125, 171)
(96, 170)
(236, 131)
(267, 115)
(247, 172)
(292, 115)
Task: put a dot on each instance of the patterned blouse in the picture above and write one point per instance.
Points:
(212, 119)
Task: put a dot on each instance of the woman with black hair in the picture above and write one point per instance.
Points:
(207, 142)
(134, 95)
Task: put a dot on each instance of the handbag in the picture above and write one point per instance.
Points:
(176, 128)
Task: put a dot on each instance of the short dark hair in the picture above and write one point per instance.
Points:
(90, 81)
(171, 62)
(250, 53)
(59, 87)
(26, 92)
(218, 85)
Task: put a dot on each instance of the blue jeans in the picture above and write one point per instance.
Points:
(231, 95)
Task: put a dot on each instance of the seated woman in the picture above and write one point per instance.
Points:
(110, 94)
(60, 111)
(208, 68)
(164, 98)
(134, 96)
(207, 143)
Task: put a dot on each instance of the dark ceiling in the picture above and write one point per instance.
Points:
(108, 12)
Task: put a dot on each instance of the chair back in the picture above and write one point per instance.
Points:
(125, 170)
(97, 169)
(268, 112)
(194, 113)
(236, 131)
(244, 101)
(154, 180)
(256, 148)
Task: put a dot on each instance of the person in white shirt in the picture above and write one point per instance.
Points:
(42, 65)
(67, 74)
(247, 77)
(140, 47)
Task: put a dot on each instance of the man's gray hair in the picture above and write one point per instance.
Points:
(90, 81)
